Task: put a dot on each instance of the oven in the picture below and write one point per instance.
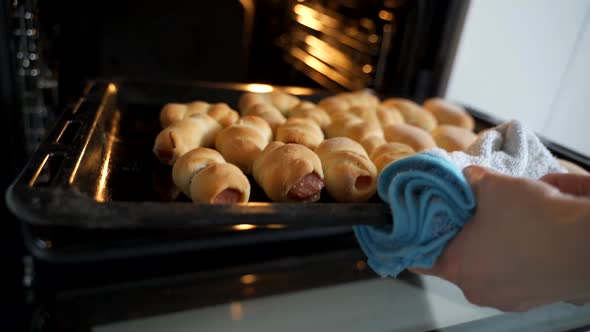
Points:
(103, 243)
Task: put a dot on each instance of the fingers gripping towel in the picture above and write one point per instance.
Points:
(431, 200)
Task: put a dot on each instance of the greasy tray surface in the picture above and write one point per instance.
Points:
(96, 169)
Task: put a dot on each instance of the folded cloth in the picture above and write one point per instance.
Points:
(509, 148)
(431, 200)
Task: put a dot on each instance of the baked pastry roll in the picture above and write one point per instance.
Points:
(241, 142)
(204, 176)
(344, 101)
(289, 172)
(447, 112)
(348, 124)
(350, 175)
(453, 138)
(341, 122)
(171, 113)
(309, 110)
(334, 104)
(221, 112)
(413, 113)
(368, 136)
(279, 99)
(373, 141)
(389, 153)
(198, 130)
(303, 105)
(301, 131)
(363, 97)
(389, 115)
(367, 113)
(417, 138)
(269, 113)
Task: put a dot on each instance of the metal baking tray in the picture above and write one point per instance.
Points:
(94, 182)
(97, 170)
(94, 190)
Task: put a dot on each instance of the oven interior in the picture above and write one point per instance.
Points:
(74, 275)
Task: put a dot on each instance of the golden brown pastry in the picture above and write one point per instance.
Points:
(334, 104)
(344, 101)
(204, 176)
(242, 142)
(197, 107)
(303, 105)
(350, 175)
(301, 131)
(389, 153)
(348, 124)
(364, 97)
(172, 112)
(413, 113)
(221, 112)
(283, 101)
(447, 112)
(306, 109)
(186, 166)
(372, 142)
(367, 113)
(340, 123)
(369, 136)
(571, 167)
(289, 172)
(417, 138)
(198, 130)
(249, 99)
(389, 115)
(279, 99)
(453, 138)
(269, 113)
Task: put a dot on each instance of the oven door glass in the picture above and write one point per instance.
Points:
(328, 292)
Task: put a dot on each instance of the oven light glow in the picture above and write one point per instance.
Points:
(243, 227)
(276, 226)
(385, 15)
(260, 88)
(310, 13)
(101, 192)
(294, 90)
(367, 69)
(235, 310)
(320, 67)
(309, 22)
(264, 204)
(360, 265)
(303, 10)
(112, 88)
(248, 279)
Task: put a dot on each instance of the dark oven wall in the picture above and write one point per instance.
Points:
(394, 46)
(172, 40)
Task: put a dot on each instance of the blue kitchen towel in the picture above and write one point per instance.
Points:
(430, 200)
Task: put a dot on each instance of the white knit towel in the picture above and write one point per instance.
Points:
(509, 148)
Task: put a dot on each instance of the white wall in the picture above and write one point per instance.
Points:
(569, 124)
(528, 60)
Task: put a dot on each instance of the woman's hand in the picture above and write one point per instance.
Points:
(528, 243)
